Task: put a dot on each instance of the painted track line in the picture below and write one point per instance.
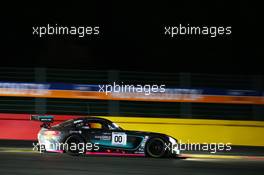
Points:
(205, 156)
(199, 156)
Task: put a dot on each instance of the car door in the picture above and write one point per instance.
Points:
(106, 138)
(96, 132)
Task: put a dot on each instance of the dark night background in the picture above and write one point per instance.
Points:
(132, 37)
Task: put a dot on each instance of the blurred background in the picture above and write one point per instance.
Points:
(241, 87)
(195, 107)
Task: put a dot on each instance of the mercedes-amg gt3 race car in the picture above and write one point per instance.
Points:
(99, 136)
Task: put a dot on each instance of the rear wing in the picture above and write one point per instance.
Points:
(46, 119)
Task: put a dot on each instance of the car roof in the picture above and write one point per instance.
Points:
(93, 118)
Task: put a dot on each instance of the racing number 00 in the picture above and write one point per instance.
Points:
(118, 139)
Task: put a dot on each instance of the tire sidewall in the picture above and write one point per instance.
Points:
(79, 140)
(148, 152)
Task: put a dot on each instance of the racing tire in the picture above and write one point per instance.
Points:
(75, 145)
(155, 148)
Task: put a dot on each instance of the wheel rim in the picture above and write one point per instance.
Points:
(156, 148)
(71, 141)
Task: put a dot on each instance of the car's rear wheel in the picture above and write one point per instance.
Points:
(75, 145)
(155, 148)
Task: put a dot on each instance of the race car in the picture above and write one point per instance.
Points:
(100, 136)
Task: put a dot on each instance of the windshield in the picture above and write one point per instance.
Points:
(66, 123)
(114, 126)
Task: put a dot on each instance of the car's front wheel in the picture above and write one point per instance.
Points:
(156, 148)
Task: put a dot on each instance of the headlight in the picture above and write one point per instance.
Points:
(172, 140)
(175, 149)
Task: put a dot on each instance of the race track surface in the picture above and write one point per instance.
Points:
(48, 164)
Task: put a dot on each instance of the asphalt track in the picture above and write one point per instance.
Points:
(26, 163)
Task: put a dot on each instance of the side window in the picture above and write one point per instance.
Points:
(95, 125)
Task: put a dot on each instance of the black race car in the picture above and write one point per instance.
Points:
(99, 136)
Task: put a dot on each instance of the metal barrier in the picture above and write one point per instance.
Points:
(243, 133)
